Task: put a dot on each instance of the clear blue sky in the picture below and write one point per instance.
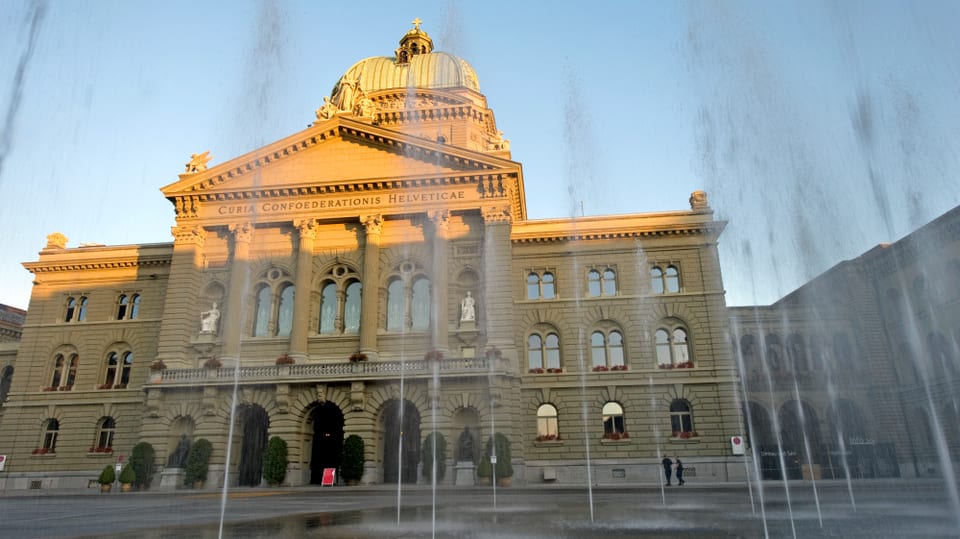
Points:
(818, 128)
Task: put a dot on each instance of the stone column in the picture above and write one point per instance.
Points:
(441, 316)
(373, 225)
(497, 296)
(181, 314)
(307, 230)
(239, 283)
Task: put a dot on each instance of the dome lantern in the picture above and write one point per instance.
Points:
(414, 42)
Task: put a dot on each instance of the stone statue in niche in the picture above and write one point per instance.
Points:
(465, 451)
(178, 458)
(468, 312)
(209, 319)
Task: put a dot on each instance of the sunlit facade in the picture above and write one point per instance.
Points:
(376, 275)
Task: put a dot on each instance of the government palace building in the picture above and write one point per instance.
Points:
(376, 275)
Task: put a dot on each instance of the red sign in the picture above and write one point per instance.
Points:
(328, 474)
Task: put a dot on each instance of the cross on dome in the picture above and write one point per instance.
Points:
(416, 23)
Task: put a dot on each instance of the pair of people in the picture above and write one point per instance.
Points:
(668, 466)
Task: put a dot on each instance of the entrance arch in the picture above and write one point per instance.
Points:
(400, 424)
(327, 449)
(254, 423)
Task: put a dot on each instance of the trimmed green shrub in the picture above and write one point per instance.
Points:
(351, 468)
(143, 462)
(427, 456)
(484, 468)
(127, 475)
(275, 461)
(107, 476)
(198, 461)
(504, 464)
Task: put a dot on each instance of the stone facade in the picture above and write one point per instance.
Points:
(313, 290)
(858, 369)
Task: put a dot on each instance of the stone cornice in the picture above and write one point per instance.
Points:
(47, 267)
(617, 227)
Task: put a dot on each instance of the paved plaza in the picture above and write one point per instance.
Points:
(862, 509)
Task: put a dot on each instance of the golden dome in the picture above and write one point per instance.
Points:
(414, 65)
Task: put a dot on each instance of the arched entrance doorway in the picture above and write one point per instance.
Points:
(253, 423)
(327, 440)
(400, 424)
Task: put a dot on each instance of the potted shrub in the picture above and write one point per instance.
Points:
(427, 455)
(107, 477)
(351, 468)
(212, 363)
(275, 461)
(504, 466)
(484, 471)
(127, 478)
(357, 356)
(198, 463)
(285, 359)
(142, 460)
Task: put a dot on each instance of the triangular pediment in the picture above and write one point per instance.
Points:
(340, 151)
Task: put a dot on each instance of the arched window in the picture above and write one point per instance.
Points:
(261, 319)
(774, 352)
(128, 307)
(797, 352)
(601, 284)
(673, 279)
(64, 371)
(681, 419)
(613, 425)
(543, 351)
(540, 285)
(117, 374)
(593, 284)
(656, 280)
(76, 309)
(547, 427)
(351, 308)
(51, 428)
(106, 429)
(672, 346)
(328, 308)
(748, 351)
(395, 306)
(341, 290)
(285, 311)
(5, 380)
(609, 282)
(420, 309)
(606, 350)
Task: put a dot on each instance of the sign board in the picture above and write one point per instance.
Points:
(493, 459)
(736, 445)
(3, 462)
(328, 475)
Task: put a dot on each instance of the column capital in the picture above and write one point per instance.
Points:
(188, 234)
(373, 224)
(242, 231)
(307, 228)
(440, 219)
(499, 213)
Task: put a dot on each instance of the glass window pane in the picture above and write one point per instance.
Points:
(262, 312)
(673, 279)
(533, 286)
(609, 283)
(421, 304)
(656, 280)
(328, 308)
(535, 352)
(663, 347)
(351, 310)
(547, 288)
(553, 351)
(681, 351)
(593, 283)
(616, 349)
(135, 309)
(83, 310)
(122, 307)
(598, 352)
(395, 306)
(285, 312)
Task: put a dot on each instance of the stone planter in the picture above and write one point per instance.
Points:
(105, 487)
(504, 481)
(125, 487)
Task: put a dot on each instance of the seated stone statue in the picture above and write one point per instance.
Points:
(465, 450)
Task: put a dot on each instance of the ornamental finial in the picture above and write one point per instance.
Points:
(416, 23)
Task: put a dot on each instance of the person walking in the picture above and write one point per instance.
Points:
(679, 471)
(667, 468)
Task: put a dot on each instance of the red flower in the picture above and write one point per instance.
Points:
(600, 368)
